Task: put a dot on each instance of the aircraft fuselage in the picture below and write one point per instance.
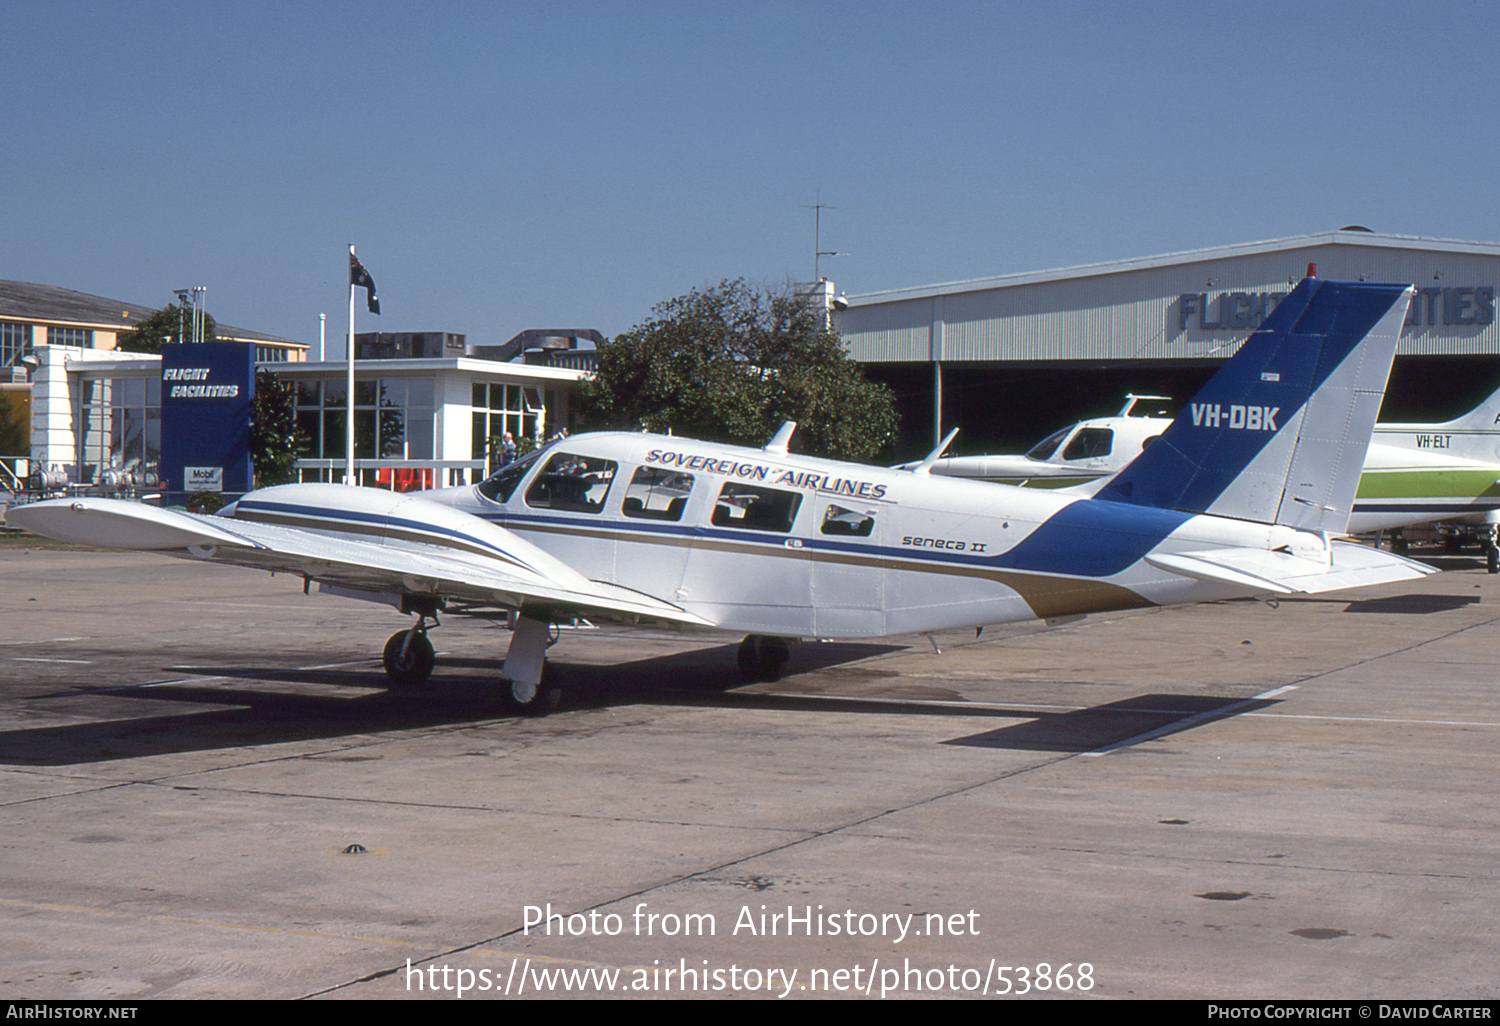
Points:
(779, 544)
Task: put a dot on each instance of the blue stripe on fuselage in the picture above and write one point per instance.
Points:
(1092, 539)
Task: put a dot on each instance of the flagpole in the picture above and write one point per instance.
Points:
(349, 387)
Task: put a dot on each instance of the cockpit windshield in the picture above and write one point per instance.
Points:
(500, 485)
(1047, 446)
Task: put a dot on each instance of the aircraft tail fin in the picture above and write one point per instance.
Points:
(1278, 435)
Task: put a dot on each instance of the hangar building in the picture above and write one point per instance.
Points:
(1009, 359)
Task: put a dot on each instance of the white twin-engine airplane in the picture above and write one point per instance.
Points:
(647, 527)
(1411, 475)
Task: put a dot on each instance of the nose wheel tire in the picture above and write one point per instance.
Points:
(408, 665)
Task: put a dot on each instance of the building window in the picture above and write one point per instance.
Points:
(503, 408)
(393, 418)
(83, 338)
(270, 354)
(119, 429)
(15, 342)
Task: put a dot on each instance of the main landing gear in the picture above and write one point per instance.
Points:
(530, 685)
(762, 658)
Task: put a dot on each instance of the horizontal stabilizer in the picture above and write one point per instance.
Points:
(1282, 573)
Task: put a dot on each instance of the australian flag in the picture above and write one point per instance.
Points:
(360, 278)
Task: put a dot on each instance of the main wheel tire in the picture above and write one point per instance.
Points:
(748, 657)
(761, 658)
(774, 653)
(1492, 559)
(415, 667)
(533, 700)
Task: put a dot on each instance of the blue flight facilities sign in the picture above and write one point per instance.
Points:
(206, 394)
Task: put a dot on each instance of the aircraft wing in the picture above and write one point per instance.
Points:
(348, 562)
(1351, 566)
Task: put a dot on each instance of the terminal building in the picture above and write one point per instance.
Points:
(429, 407)
(1010, 359)
(45, 325)
(422, 419)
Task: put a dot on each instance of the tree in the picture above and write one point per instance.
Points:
(275, 440)
(170, 323)
(730, 364)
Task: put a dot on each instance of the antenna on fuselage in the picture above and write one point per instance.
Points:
(925, 467)
(781, 439)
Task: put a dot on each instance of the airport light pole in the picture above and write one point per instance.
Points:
(193, 297)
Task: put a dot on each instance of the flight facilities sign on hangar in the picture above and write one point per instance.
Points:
(1467, 304)
(207, 389)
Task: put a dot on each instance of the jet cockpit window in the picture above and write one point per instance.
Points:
(574, 483)
(838, 520)
(1090, 443)
(657, 494)
(500, 485)
(1047, 446)
(755, 508)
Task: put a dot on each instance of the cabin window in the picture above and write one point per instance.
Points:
(657, 494)
(756, 509)
(500, 485)
(1047, 446)
(1090, 443)
(577, 484)
(838, 520)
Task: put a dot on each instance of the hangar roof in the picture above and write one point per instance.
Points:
(1342, 237)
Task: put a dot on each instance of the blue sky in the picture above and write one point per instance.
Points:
(510, 165)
